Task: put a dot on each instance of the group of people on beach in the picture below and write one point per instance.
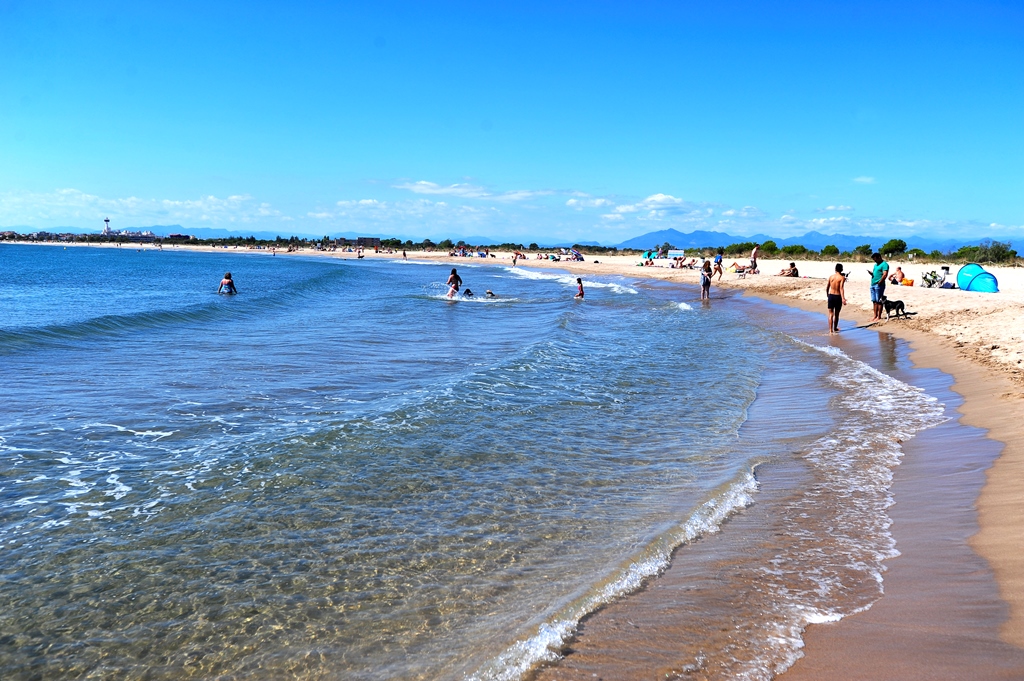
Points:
(835, 291)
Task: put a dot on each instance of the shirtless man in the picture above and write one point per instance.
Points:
(836, 291)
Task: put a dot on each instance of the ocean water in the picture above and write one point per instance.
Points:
(340, 474)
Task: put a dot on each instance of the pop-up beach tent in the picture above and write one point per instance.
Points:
(973, 277)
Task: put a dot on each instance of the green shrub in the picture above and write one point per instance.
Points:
(894, 247)
(830, 250)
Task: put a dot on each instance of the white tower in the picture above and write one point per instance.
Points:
(106, 229)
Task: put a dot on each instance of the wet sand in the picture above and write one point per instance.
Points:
(940, 616)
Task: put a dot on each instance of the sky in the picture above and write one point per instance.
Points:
(526, 121)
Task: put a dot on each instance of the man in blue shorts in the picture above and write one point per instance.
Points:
(879, 273)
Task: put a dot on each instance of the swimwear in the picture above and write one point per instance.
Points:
(835, 302)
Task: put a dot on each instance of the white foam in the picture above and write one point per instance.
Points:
(569, 280)
(684, 306)
(517, 660)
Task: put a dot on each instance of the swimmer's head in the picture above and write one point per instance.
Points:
(227, 275)
(839, 267)
(579, 280)
(453, 270)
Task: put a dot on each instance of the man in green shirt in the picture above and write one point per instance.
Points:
(879, 274)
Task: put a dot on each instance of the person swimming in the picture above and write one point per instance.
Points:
(490, 294)
(468, 293)
(227, 285)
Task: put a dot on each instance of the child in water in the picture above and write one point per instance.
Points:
(454, 282)
(705, 281)
(227, 285)
(579, 294)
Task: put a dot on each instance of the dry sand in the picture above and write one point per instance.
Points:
(978, 339)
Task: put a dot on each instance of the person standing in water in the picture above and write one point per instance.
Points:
(579, 293)
(404, 256)
(454, 282)
(227, 285)
(836, 292)
(705, 281)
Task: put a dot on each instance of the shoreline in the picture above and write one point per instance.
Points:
(959, 338)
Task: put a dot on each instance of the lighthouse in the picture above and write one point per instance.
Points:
(106, 228)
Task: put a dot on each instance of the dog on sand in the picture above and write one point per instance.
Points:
(894, 307)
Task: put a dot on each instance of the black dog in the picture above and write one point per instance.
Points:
(894, 307)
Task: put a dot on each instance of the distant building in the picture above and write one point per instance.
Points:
(183, 237)
(368, 242)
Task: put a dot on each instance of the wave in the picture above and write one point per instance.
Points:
(551, 636)
(16, 340)
(569, 280)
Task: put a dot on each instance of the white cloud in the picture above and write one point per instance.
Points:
(580, 204)
(864, 179)
(836, 208)
(662, 200)
(80, 209)
(613, 217)
(469, 191)
(424, 187)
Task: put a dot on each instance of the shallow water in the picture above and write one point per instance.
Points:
(339, 473)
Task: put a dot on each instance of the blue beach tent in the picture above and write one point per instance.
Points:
(973, 277)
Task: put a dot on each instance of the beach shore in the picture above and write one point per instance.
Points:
(976, 338)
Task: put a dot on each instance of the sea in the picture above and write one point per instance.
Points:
(340, 473)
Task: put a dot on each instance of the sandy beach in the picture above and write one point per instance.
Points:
(915, 630)
(977, 339)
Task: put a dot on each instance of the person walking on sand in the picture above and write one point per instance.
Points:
(753, 257)
(705, 281)
(454, 282)
(835, 290)
(879, 274)
(227, 285)
(579, 293)
(718, 264)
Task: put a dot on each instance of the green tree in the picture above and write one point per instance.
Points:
(769, 247)
(534, 247)
(446, 244)
(864, 250)
(830, 250)
(794, 249)
(894, 247)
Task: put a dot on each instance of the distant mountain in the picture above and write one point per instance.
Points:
(697, 239)
(812, 240)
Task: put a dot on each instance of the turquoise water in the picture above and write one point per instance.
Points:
(338, 473)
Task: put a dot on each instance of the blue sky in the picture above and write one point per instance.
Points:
(532, 121)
